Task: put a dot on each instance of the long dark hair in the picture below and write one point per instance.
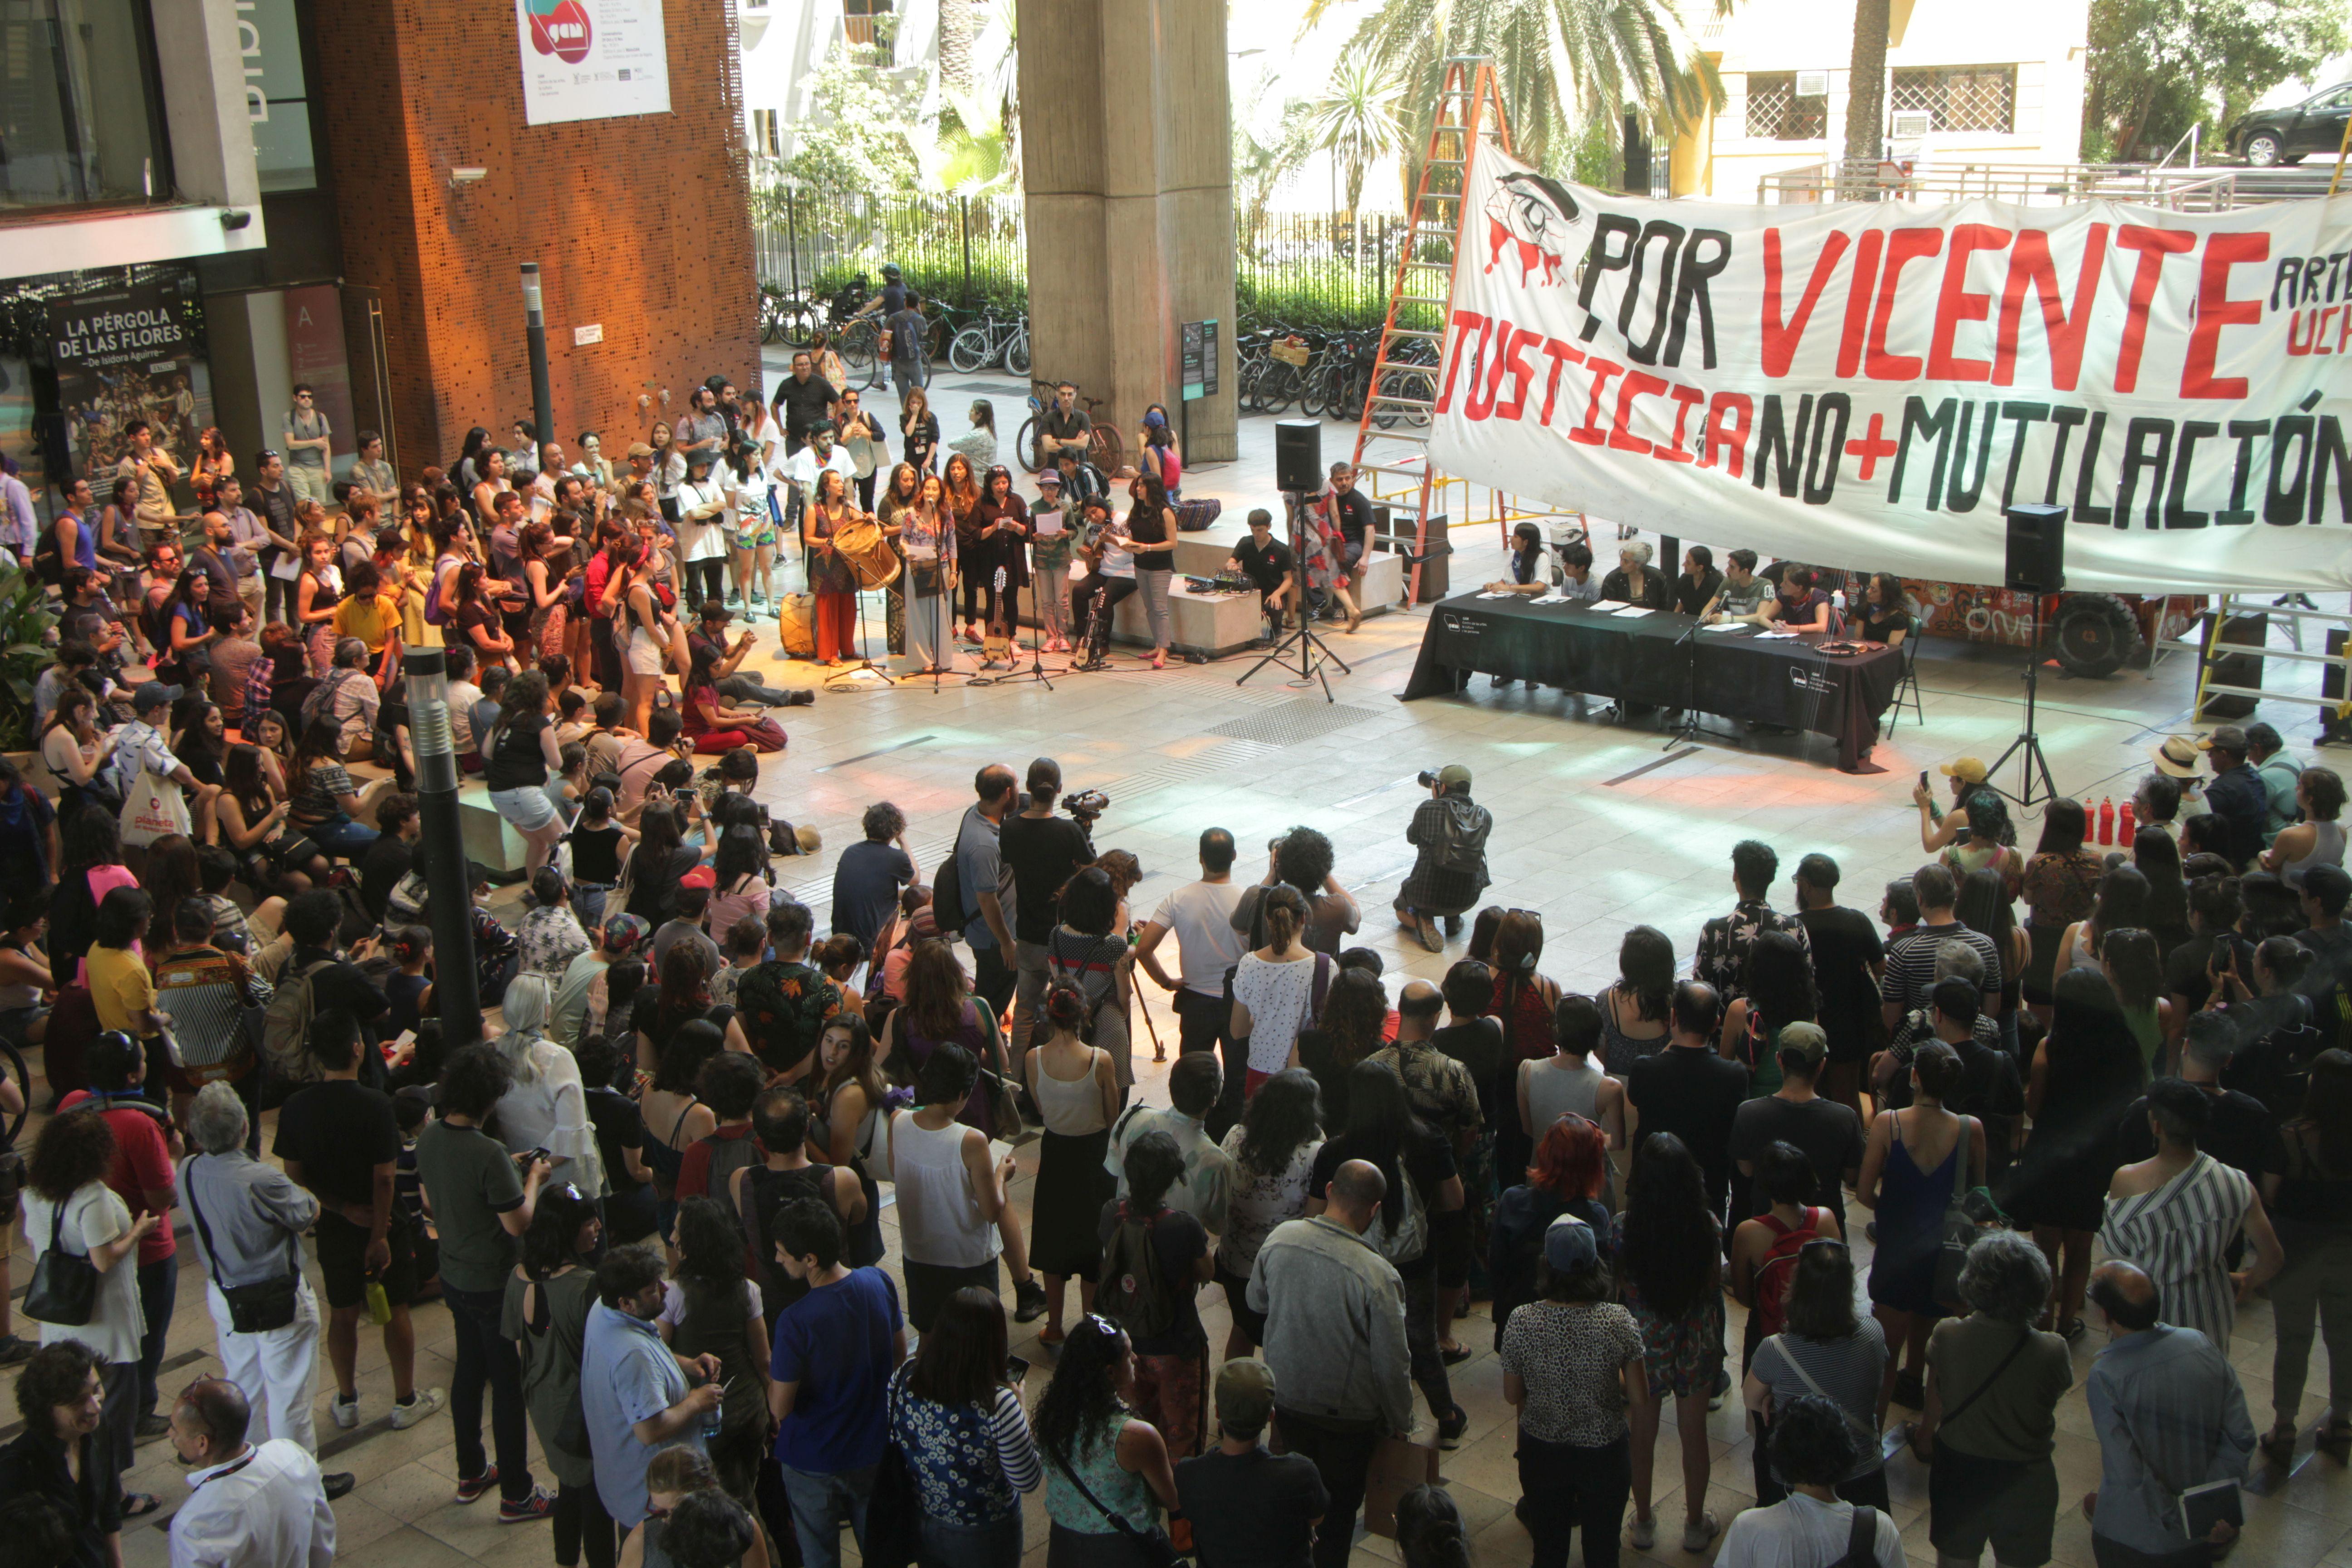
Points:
(962, 1360)
(658, 834)
(2092, 1052)
(1281, 1120)
(2122, 903)
(710, 1253)
(2063, 825)
(1983, 907)
(1645, 967)
(1382, 1128)
(1083, 1396)
(74, 1149)
(1778, 977)
(2156, 856)
(2327, 1109)
(552, 1240)
(1672, 1248)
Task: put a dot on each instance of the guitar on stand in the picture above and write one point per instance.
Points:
(1091, 540)
(996, 645)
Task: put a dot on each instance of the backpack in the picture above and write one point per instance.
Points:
(1778, 1269)
(1410, 1239)
(1462, 845)
(285, 1030)
(1134, 1293)
(946, 891)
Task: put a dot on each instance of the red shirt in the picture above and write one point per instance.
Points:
(143, 1164)
(600, 572)
(694, 1175)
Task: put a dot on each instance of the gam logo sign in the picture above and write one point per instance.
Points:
(560, 28)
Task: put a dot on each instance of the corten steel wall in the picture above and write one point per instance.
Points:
(639, 224)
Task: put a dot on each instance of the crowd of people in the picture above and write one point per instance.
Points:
(651, 1202)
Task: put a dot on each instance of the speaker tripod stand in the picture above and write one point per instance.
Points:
(1302, 642)
(2027, 747)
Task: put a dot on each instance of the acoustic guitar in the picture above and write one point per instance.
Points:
(998, 642)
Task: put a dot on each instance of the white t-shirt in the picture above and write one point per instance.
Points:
(93, 1216)
(1199, 916)
(1278, 997)
(1801, 1533)
(701, 539)
(802, 468)
(673, 1310)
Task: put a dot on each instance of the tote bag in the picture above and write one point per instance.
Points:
(152, 807)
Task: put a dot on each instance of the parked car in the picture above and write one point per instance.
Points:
(2273, 136)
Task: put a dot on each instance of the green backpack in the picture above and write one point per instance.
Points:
(1134, 1292)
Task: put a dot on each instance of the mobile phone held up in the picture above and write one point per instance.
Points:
(1017, 1370)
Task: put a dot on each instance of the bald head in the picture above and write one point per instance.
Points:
(993, 785)
(1356, 1189)
(1418, 1010)
(2127, 1297)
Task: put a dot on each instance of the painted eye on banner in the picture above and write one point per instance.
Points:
(1535, 218)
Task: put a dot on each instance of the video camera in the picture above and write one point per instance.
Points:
(1086, 806)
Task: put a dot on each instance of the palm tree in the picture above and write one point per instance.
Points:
(1356, 119)
(1262, 162)
(956, 32)
(1564, 64)
(1865, 101)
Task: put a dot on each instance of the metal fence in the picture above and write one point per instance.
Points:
(1320, 270)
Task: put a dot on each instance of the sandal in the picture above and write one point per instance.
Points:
(138, 1505)
(2278, 1446)
(2336, 1438)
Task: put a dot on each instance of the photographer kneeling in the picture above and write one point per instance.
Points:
(1449, 875)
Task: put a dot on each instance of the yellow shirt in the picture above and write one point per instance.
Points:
(119, 986)
(372, 620)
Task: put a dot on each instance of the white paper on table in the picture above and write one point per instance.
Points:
(1726, 627)
(1497, 596)
(1633, 611)
(1611, 607)
(1775, 636)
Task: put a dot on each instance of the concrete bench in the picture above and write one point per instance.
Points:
(1379, 576)
(488, 837)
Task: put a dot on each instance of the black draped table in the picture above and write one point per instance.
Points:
(1648, 659)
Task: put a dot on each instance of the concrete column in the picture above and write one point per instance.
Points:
(1127, 146)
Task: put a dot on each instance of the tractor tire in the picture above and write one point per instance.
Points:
(2094, 634)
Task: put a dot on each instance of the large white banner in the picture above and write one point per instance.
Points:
(592, 60)
(1868, 385)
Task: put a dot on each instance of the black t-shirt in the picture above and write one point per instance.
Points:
(1354, 512)
(2239, 1131)
(1830, 1134)
(1690, 598)
(1268, 568)
(1991, 1091)
(1695, 1095)
(387, 860)
(1044, 852)
(25, 818)
(1878, 625)
(340, 1133)
(619, 1127)
(340, 984)
(1250, 1510)
(1428, 1161)
(518, 760)
(595, 853)
(866, 883)
(2184, 968)
(805, 401)
(1180, 1241)
(1845, 944)
(1478, 1045)
(907, 331)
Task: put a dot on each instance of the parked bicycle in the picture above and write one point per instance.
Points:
(1104, 445)
(992, 339)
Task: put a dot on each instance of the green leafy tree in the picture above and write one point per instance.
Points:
(1355, 120)
(2158, 67)
(1261, 163)
(854, 139)
(1564, 64)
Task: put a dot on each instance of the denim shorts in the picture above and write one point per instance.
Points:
(527, 808)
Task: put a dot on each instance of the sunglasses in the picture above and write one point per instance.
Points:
(265, 456)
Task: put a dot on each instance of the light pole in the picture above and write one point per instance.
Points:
(542, 400)
(450, 898)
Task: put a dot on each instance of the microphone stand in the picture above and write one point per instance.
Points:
(1304, 639)
(1688, 731)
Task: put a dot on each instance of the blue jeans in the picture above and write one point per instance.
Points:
(904, 375)
(339, 835)
(159, 1293)
(820, 1504)
(588, 904)
(487, 1357)
(996, 1544)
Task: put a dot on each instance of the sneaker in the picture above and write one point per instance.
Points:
(344, 1413)
(1029, 1301)
(15, 1350)
(1645, 1533)
(340, 1484)
(1449, 1430)
(1699, 1531)
(421, 1403)
(481, 1486)
(537, 1505)
(150, 1428)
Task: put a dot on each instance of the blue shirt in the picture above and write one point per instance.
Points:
(626, 1374)
(2169, 1415)
(979, 866)
(835, 1344)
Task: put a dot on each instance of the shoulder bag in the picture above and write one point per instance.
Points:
(1959, 1230)
(252, 1309)
(64, 1290)
(1861, 1431)
(1862, 1539)
(1150, 1545)
(1928, 1455)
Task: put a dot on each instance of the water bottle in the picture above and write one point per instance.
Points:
(2106, 819)
(710, 1420)
(2124, 826)
(379, 1306)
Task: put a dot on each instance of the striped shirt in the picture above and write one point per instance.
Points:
(2170, 1414)
(1846, 1370)
(2179, 1234)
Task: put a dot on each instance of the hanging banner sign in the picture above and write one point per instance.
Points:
(1868, 384)
(592, 60)
(125, 351)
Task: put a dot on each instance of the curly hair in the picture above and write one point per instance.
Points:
(1355, 1012)
(1083, 1399)
(1304, 860)
(73, 1150)
(708, 1529)
(1283, 1117)
(552, 1240)
(57, 1374)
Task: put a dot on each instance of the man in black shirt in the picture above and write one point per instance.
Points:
(1695, 589)
(389, 859)
(1831, 1134)
(339, 1140)
(801, 400)
(312, 919)
(709, 635)
(1689, 1091)
(2238, 1127)
(1848, 961)
(1989, 1088)
(1250, 1507)
(1064, 425)
(2213, 910)
(908, 329)
(1266, 562)
(1043, 851)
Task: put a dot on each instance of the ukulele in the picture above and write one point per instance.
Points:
(998, 643)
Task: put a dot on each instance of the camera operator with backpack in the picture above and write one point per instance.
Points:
(1449, 831)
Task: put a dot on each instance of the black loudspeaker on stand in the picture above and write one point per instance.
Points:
(2035, 562)
(1298, 456)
